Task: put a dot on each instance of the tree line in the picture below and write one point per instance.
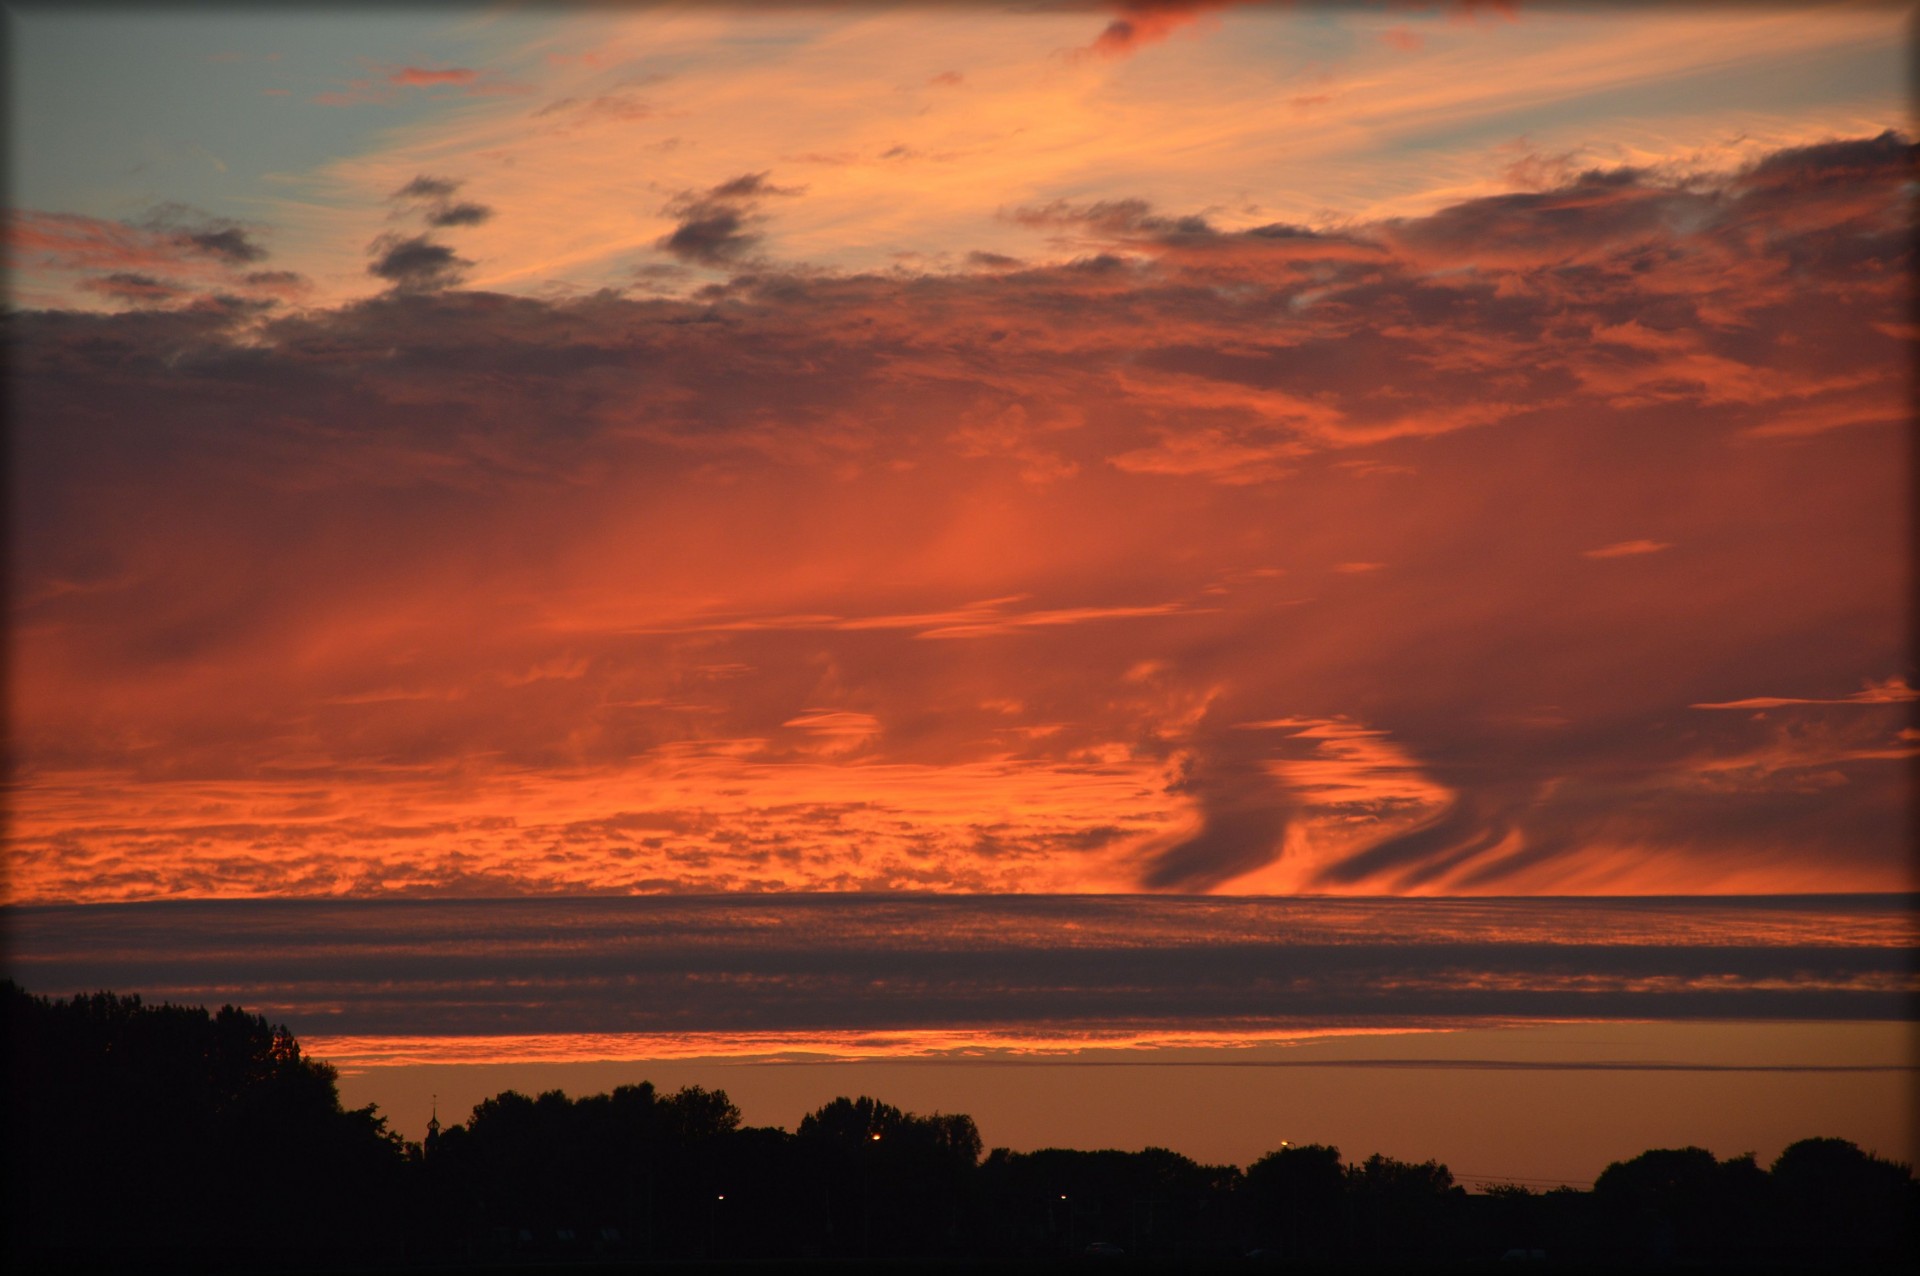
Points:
(182, 1139)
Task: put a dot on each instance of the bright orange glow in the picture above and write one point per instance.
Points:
(794, 1047)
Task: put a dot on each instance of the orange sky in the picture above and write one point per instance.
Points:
(706, 451)
(1732, 1089)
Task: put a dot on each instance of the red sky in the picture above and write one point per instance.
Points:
(1545, 532)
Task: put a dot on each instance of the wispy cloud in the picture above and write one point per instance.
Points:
(1893, 690)
(415, 76)
(1626, 549)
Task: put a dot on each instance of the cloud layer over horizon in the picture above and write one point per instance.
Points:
(760, 974)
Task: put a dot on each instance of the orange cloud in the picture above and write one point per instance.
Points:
(415, 76)
(367, 90)
(1892, 691)
(1626, 549)
(955, 579)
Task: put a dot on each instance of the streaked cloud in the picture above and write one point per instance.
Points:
(1626, 549)
(1892, 690)
(419, 76)
(925, 977)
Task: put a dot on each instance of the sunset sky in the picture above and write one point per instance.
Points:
(1397, 448)
(469, 451)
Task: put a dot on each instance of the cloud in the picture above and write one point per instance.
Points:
(1062, 528)
(424, 187)
(1063, 966)
(1243, 815)
(837, 731)
(1893, 690)
(1626, 549)
(282, 283)
(622, 105)
(417, 77)
(710, 235)
(415, 263)
(222, 240)
(715, 226)
(433, 198)
(389, 85)
(419, 262)
(1144, 22)
(204, 235)
(134, 288)
(974, 620)
(461, 214)
(749, 186)
(1117, 218)
(171, 253)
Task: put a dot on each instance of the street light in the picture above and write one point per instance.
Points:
(715, 1232)
(866, 1199)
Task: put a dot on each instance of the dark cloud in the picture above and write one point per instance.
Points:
(416, 263)
(716, 225)
(426, 187)
(1852, 162)
(992, 261)
(1464, 830)
(202, 234)
(433, 197)
(713, 236)
(288, 279)
(462, 214)
(749, 186)
(1122, 217)
(135, 289)
(774, 964)
(1243, 820)
(229, 245)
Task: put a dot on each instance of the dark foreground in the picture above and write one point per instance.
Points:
(168, 1139)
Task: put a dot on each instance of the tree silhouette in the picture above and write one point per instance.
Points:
(208, 1133)
(1835, 1199)
(886, 1177)
(1297, 1196)
(142, 1137)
